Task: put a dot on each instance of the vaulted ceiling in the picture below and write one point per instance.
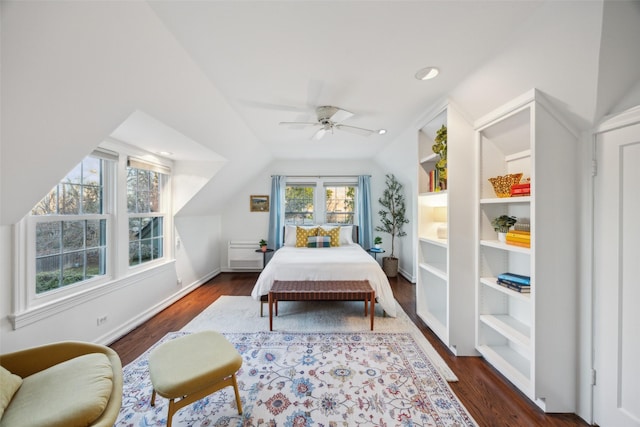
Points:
(221, 75)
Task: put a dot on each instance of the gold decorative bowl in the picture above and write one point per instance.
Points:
(502, 184)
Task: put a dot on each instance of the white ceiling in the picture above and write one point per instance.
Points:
(276, 61)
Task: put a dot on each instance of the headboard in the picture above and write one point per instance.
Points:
(354, 233)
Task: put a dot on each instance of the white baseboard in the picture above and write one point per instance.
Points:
(138, 320)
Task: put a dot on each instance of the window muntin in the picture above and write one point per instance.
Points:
(146, 232)
(299, 204)
(340, 201)
(70, 229)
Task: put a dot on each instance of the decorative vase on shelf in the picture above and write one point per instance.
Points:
(502, 237)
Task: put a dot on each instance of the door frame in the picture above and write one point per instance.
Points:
(626, 118)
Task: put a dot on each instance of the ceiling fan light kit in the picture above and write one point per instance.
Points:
(330, 118)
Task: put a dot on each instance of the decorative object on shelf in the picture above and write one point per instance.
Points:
(377, 241)
(442, 231)
(502, 184)
(440, 148)
(259, 203)
(263, 245)
(392, 219)
(502, 224)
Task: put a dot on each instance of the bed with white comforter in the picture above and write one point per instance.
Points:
(345, 262)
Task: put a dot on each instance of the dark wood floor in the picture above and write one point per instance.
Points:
(490, 399)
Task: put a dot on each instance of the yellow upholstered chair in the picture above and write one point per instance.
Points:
(68, 383)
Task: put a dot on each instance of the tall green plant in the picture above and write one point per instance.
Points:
(393, 216)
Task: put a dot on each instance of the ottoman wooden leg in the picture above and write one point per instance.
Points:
(235, 389)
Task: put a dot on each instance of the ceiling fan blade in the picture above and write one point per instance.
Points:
(355, 129)
(341, 115)
(318, 135)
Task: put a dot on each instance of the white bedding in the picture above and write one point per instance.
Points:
(348, 262)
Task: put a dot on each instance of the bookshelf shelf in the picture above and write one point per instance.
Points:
(522, 334)
(512, 329)
(444, 283)
(491, 283)
(505, 247)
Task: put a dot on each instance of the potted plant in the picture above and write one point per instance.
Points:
(377, 241)
(502, 224)
(392, 219)
(263, 245)
(440, 148)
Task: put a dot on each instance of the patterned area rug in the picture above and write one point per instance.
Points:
(311, 379)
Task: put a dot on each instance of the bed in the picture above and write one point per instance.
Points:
(348, 261)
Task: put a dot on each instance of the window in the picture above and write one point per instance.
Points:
(339, 204)
(299, 203)
(144, 206)
(70, 229)
(335, 205)
(105, 221)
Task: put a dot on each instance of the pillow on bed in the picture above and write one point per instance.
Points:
(302, 234)
(333, 232)
(345, 235)
(319, 242)
(290, 233)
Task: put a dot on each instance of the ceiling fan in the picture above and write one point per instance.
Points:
(329, 119)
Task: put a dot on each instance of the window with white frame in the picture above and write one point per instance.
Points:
(340, 202)
(299, 202)
(335, 205)
(145, 184)
(75, 238)
(70, 228)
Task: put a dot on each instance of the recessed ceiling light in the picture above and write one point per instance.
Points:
(382, 131)
(165, 153)
(427, 73)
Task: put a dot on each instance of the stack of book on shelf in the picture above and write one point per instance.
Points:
(434, 181)
(519, 238)
(515, 282)
(521, 189)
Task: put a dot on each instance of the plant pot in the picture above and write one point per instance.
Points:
(264, 248)
(390, 266)
(376, 246)
(502, 237)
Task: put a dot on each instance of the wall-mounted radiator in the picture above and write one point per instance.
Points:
(243, 256)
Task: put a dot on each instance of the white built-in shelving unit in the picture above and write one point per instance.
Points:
(529, 338)
(445, 283)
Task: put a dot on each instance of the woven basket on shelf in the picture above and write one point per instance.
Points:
(502, 184)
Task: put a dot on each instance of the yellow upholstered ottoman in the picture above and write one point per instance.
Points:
(191, 367)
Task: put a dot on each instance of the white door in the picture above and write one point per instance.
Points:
(617, 278)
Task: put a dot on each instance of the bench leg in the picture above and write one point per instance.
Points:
(270, 311)
(372, 296)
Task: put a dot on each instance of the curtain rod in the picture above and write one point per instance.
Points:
(322, 176)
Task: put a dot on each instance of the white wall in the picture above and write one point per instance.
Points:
(240, 224)
(401, 159)
(128, 303)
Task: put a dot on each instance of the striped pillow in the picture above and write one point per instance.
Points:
(319, 242)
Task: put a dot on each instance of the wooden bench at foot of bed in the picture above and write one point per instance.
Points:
(325, 290)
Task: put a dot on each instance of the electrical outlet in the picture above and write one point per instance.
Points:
(101, 320)
(179, 281)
